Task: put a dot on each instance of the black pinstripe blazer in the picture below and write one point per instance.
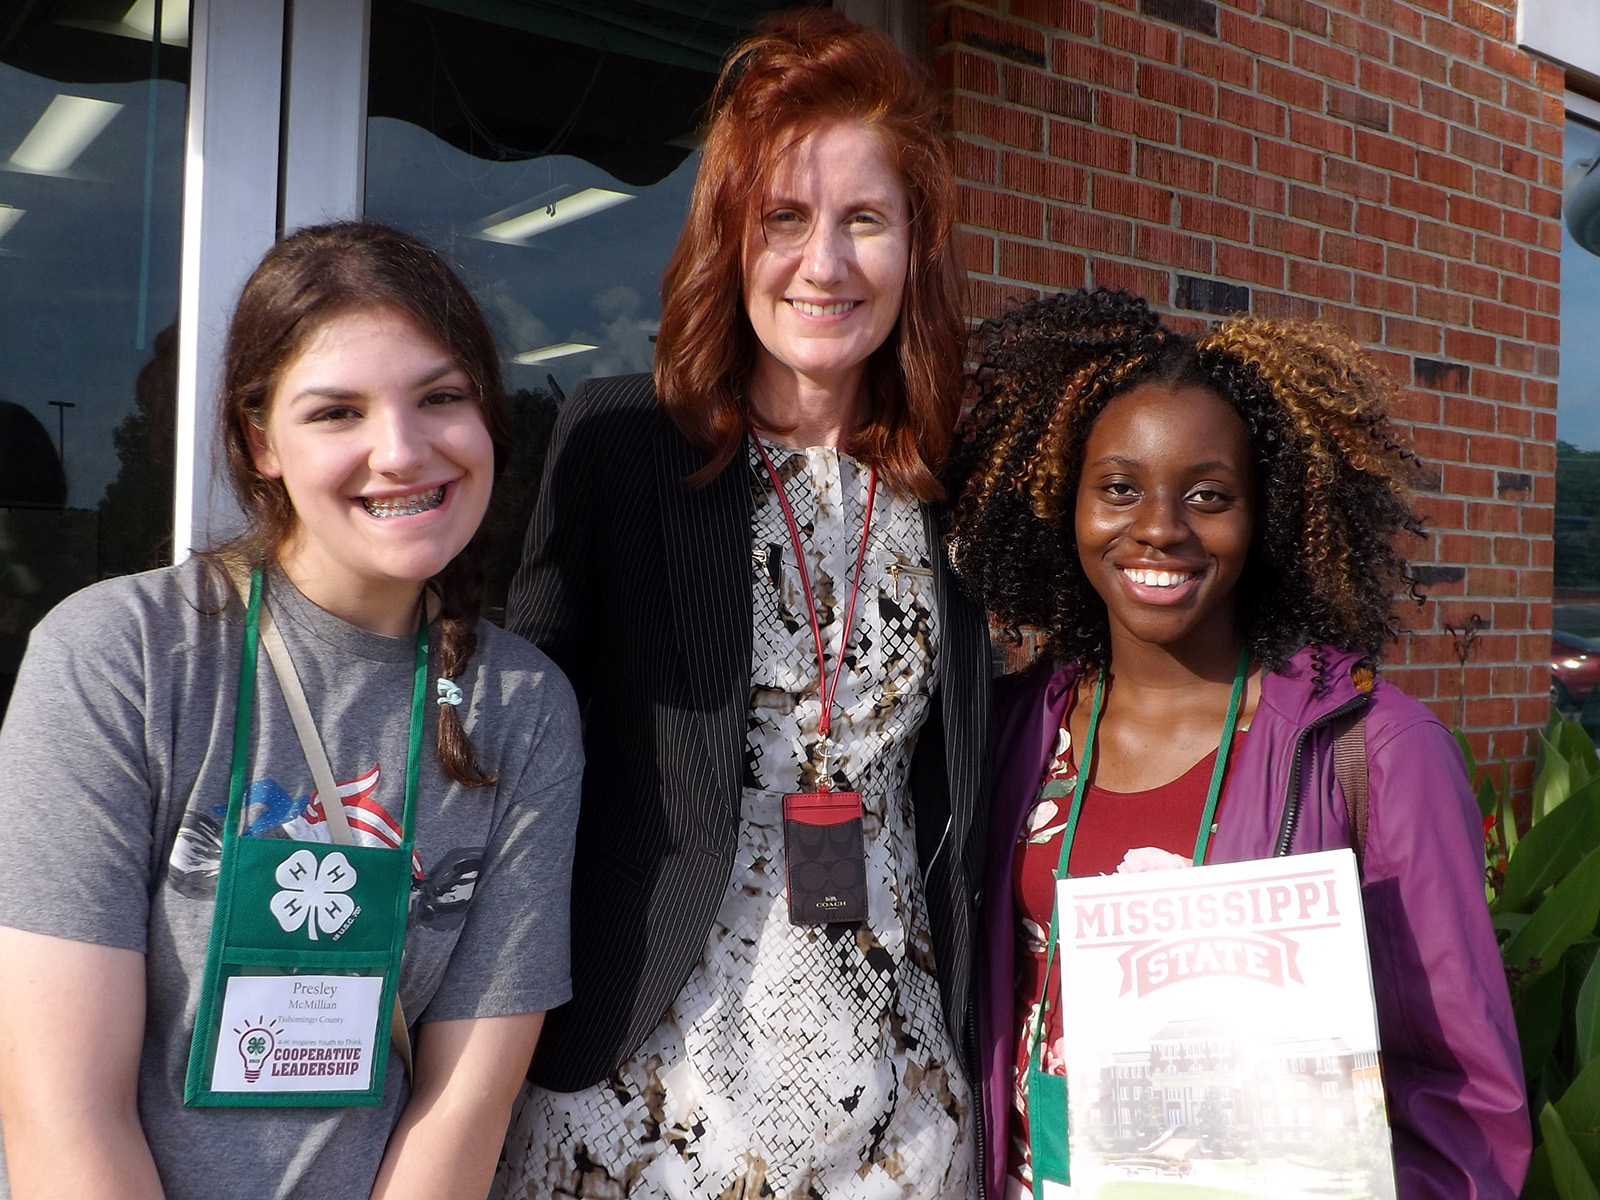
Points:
(639, 587)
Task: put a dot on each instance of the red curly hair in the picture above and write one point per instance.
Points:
(803, 70)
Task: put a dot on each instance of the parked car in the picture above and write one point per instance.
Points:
(1575, 663)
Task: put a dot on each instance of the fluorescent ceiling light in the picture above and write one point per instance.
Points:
(141, 20)
(548, 215)
(8, 217)
(62, 133)
(558, 350)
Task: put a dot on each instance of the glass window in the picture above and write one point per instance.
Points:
(92, 117)
(548, 150)
(1575, 641)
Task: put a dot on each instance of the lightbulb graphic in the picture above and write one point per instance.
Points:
(256, 1043)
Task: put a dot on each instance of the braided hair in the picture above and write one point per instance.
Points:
(1332, 473)
(305, 281)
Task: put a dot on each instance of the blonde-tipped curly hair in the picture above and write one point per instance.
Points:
(1333, 476)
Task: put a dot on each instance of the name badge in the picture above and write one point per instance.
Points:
(300, 980)
(298, 1033)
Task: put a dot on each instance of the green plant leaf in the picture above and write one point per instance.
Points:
(1588, 1017)
(1548, 739)
(1566, 914)
(1579, 1108)
(1552, 784)
(1579, 1105)
(1578, 740)
(1552, 1085)
(1580, 750)
(1588, 1147)
(1509, 923)
(1571, 753)
(1466, 751)
(1579, 961)
(1488, 797)
(1541, 1183)
(1578, 773)
(1538, 1012)
(1552, 848)
(1505, 815)
(1572, 1178)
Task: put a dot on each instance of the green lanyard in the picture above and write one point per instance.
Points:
(1047, 1094)
(1214, 794)
(307, 938)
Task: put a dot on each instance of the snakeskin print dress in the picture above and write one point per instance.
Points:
(798, 1062)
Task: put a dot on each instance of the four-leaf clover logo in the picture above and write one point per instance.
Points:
(257, 1040)
(313, 893)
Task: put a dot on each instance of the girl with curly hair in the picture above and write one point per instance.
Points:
(1206, 529)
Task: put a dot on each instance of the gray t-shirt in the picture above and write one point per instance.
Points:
(115, 756)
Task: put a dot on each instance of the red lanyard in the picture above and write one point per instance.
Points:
(829, 687)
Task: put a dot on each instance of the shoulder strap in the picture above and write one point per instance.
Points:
(1350, 764)
(305, 729)
(1350, 768)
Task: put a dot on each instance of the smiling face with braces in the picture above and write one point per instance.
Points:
(378, 438)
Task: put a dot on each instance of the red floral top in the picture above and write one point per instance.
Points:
(1162, 823)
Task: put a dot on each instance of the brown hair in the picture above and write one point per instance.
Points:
(1332, 474)
(799, 71)
(305, 281)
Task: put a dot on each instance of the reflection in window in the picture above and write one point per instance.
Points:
(92, 107)
(1575, 643)
(548, 151)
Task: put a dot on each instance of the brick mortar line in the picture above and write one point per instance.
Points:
(1293, 31)
(1053, 34)
(1219, 240)
(999, 147)
(1440, 355)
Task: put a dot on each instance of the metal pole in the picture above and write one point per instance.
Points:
(61, 407)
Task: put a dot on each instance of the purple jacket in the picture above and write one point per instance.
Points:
(1457, 1107)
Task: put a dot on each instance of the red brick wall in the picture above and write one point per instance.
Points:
(1390, 167)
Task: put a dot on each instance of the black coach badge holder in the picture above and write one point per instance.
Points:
(826, 859)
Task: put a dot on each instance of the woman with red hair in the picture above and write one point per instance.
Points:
(785, 697)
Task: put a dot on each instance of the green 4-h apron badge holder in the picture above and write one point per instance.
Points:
(303, 965)
(1047, 1093)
